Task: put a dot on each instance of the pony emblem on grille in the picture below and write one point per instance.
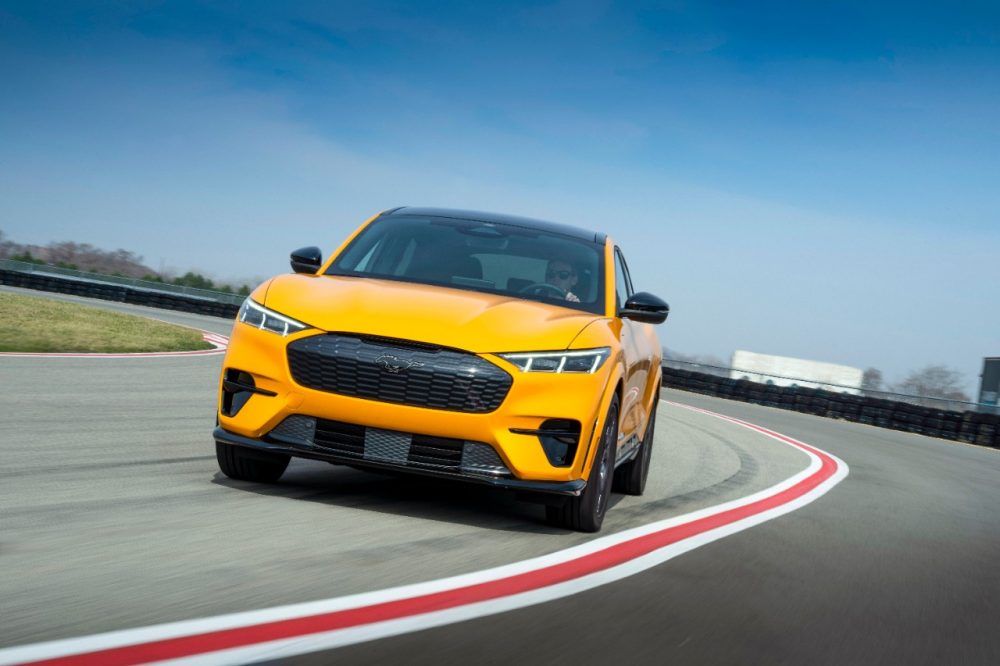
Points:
(395, 365)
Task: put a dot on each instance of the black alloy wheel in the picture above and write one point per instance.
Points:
(585, 513)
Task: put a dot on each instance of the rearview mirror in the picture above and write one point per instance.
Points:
(645, 308)
(307, 260)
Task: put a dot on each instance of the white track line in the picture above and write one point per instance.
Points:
(285, 631)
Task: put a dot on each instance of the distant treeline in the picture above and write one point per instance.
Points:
(120, 263)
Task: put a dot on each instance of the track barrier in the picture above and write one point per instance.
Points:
(965, 426)
(204, 302)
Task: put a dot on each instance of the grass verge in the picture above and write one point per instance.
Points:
(30, 324)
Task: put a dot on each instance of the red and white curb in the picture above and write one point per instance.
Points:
(218, 342)
(285, 631)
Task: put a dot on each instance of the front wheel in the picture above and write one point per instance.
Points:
(585, 513)
(244, 464)
(630, 478)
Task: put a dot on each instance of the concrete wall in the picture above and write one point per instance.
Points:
(787, 371)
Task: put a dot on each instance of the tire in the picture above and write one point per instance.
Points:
(585, 513)
(630, 478)
(244, 464)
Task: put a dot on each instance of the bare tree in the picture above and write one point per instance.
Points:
(7, 248)
(934, 381)
(871, 380)
(86, 257)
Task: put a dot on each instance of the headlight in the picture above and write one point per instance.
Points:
(256, 315)
(585, 360)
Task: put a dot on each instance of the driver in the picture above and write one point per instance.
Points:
(561, 273)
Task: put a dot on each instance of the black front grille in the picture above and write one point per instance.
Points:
(399, 372)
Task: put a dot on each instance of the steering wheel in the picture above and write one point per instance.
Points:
(539, 287)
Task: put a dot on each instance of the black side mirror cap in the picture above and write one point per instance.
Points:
(307, 260)
(645, 308)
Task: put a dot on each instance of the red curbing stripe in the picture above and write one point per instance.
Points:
(187, 646)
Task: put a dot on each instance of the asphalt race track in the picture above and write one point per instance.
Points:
(113, 515)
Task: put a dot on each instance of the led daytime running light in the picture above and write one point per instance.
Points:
(586, 361)
(256, 315)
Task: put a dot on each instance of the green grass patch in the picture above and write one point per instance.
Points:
(29, 324)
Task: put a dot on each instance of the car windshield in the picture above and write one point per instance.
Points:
(490, 257)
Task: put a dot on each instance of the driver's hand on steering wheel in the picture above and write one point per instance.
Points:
(570, 296)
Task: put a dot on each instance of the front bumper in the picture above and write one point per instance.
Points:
(307, 450)
(533, 399)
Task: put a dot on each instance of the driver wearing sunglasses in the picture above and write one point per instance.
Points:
(562, 274)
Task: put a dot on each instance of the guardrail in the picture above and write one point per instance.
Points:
(123, 290)
(56, 271)
(945, 404)
(967, 426)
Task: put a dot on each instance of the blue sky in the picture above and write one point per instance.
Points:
(820, 181)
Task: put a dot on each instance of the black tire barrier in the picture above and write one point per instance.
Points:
(119, 293)
(971, 427)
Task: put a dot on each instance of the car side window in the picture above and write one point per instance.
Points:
(628, 275)
(623, 285)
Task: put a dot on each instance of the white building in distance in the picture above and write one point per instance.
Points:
(786, 371)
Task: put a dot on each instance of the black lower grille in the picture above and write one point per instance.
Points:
(345, 438)
(348, 442)
(436, 451)
(423, 450)
(398, 372)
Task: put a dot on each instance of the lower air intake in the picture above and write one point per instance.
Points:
(350, 442)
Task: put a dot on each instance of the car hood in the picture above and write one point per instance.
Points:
(456, 318)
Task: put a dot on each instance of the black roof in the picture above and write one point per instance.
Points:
(500, 218)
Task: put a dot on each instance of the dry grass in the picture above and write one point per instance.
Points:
(29, 324)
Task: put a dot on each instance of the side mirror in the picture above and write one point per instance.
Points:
(307, 260)
(646, 308)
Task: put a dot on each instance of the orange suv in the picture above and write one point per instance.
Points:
(474, 346)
